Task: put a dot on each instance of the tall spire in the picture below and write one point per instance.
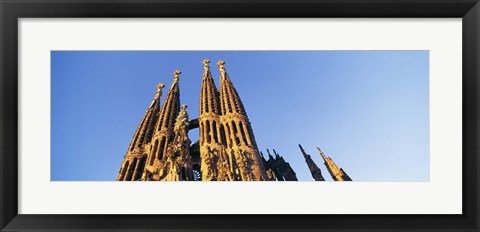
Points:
(163, 134)
(209, 96)
(171, 105)
(142, 136)
(146, 127)
(231, 102)
(238, 131)
(337, 173)
(215, 160)
(316, 172)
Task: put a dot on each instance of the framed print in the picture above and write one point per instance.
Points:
(224, 115)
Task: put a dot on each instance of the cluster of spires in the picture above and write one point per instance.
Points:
(338, 174)
(226, 150)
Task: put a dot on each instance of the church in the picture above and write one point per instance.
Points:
(161, 150)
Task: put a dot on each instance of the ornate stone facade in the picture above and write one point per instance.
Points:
(226, 151)
(161, 150)
(151, 153)
(228, 148)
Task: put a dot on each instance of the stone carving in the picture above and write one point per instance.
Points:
(178, 165)
(181, 124)
(221, 66)
(160, 86)
(206, 67)
(176, 75)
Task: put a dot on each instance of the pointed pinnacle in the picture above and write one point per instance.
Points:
(321, 153)
(158, 93)
(320, 150)
(221, 66)
(206, 67)
(176, 75)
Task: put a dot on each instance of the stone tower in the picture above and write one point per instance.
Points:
(337, 173)
(216, 163)
(240, 140)
(145, 157)
(227, 145)
(316, 172)
(163, 133)
(135, 160)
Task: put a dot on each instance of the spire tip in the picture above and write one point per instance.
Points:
(160, 85)
(221, 65)
(176, 75)
(206, 67)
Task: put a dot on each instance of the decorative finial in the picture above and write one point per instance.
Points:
(159, 90)
(160, 86)
(205, 64)
(176, 75)
(321, 153)
(184, 107)
(220, 65)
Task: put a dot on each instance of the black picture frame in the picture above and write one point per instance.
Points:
(11, 11)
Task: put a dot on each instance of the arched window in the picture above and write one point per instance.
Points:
(215, 134)
(202, 133)
(222, 135)
(155, 148)
(124, 170)
(244, 137)
(161, 148)
(208, 131)
(160, 122)
(131, 169)
(141, 167)
(205, 102)
(235, 133)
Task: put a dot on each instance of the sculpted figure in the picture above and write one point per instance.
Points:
(181, 124)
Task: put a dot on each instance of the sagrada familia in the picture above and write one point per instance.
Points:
(226, 150)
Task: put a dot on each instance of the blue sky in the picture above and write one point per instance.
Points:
(367, 110)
